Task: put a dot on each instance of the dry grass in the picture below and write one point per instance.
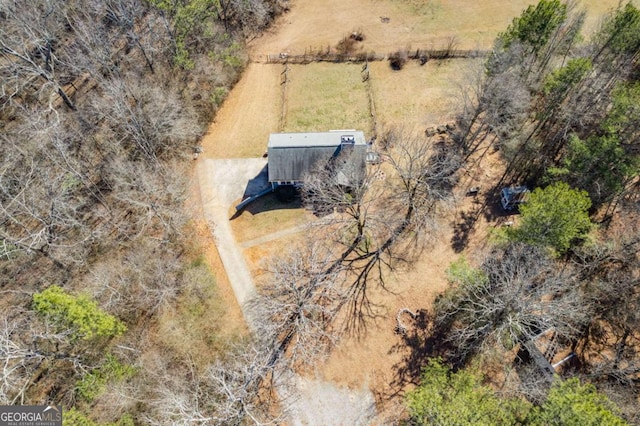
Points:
(415, 23)
(249, 114)
(325, 96)
(266, 216)
(258, 257)
(194, 327)
(206, 314)
(417, 95)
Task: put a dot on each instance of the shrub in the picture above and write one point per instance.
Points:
(398, 59)
(77, 313)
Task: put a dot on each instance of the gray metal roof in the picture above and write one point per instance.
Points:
(332, 138)
(291, 155)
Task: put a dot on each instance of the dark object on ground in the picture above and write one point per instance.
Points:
(512, 197)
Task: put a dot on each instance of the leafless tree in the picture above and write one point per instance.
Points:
(515, 295)
(40, 193)
(146, 120)
(18, 361)
(30, 61)
(612, 287)
(249, 16)
(379, 223)
(296, 310)
(235, 390)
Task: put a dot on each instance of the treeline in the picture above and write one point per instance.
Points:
(102, 102)
(560, 109)
(563, 113)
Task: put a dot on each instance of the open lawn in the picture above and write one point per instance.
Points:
(418, 95)
(326, 96)
(414, 23)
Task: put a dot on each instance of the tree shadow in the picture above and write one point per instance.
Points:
(486, 205)
(418, 343)
(463, 228)
(265, 203)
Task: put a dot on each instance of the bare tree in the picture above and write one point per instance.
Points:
(378, 223)
(236, 390)
(146, 120)
(296, 310)
(609, 346)
(41, 193)
(515, 295)
(18, 360)
(30, 62)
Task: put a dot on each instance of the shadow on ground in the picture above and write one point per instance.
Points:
(487, 205)
(417, 344)
(258, 197)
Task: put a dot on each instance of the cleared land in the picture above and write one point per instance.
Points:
(425, 24)
(326, 96)
(418, 95)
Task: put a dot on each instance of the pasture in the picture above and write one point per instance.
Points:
(326, 96)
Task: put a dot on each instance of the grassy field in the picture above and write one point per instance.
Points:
(418, 95)
(325, 96)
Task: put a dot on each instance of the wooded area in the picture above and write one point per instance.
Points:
(102, 105)
(563, 114)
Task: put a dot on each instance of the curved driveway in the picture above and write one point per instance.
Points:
(223, 182)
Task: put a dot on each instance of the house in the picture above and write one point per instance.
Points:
(292, 155)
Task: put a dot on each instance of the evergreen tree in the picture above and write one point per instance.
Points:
(556, 217)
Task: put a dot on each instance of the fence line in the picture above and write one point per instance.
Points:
(366, 78)
(330, 56)
(284, 82)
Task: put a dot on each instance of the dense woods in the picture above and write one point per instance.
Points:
(101, 106)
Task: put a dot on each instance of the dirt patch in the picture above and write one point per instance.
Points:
(320, 403)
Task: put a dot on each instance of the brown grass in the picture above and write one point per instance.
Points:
(415, 23)
(247, 117)
(207, 316)
(259, 256)
(267, 215)
(417, 95)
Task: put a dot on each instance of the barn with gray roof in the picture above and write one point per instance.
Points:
(292, 155)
